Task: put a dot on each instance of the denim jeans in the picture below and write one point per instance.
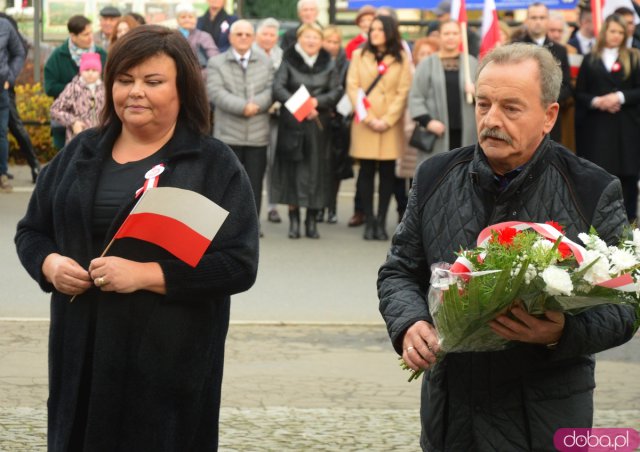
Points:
(4, 125)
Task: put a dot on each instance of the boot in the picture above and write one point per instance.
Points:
(294, 223)
(381, 228)
(320, 216)
(311, 230)
(370, 228)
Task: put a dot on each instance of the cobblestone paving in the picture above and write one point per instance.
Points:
(294, 388)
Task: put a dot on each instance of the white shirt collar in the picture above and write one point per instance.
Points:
(246, 57)
(609, 57)
(586, 44)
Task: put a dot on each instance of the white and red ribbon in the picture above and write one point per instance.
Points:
(151, 177)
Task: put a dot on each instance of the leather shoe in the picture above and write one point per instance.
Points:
(356, 220)
(332, 218)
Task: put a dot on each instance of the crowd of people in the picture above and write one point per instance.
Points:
(427, 85)
(145, 337)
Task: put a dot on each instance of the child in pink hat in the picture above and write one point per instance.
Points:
(79, 105)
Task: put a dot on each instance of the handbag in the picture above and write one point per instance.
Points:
(422, 139)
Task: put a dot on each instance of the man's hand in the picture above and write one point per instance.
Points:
(530, 329)
(420, 345)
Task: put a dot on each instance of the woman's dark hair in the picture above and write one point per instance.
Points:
(147, 41)
(77, 24)
(393, 41)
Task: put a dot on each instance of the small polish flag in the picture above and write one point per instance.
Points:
(300, 104)
(459, 11)
(362, 106)
(182, 222)
(490, 28)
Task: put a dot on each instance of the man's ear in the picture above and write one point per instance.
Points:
(550, 116)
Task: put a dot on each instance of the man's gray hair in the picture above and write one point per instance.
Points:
(301, 3)
(239, 22)
(269, 22)
(548, 67)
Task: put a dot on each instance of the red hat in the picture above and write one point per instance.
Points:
(90, 60)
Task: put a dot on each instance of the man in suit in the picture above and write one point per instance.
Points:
(239, 84)
(308, 11)
(536, 25)
(583, 39)
(629, 17)
(217, 22)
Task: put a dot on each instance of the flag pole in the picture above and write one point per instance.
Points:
(102, 255)
(465, 60)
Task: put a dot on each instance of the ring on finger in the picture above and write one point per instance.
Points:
(101, 281)
(411, 347)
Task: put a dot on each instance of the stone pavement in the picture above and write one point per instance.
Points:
(294, 387)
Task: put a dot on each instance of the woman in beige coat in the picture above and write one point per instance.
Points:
(378, 139)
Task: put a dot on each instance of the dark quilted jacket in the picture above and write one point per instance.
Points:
(514, 399)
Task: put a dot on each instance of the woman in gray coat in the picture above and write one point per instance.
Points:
(438, 96)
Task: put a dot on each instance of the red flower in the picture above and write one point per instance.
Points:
(615, 67)
(505, 236)
(555, 225)
(564, 250)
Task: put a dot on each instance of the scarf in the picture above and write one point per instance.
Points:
(308, 59)
(76, 52)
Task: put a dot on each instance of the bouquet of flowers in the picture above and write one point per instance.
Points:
(535, 265)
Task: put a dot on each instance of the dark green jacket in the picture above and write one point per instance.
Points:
(60, 69)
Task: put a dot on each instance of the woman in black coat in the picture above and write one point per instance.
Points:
(302, 170)
(608, 108)
(135, 362)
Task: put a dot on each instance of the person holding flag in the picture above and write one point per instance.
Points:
(437, 100)
(136, 360)
(307, 84)
(378, 83)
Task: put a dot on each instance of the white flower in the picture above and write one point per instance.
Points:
(595, 243)
(557, 281)
(622, 260)
(599, 271)
(542, 245)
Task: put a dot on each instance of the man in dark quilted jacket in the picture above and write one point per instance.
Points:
(515, 399)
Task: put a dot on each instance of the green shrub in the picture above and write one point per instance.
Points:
(33, 105)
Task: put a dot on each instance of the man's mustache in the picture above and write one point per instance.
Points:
(495, 133)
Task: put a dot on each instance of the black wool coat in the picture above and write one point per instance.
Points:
(301, 174)
(157, 360)
(515, 399)
(609, 140)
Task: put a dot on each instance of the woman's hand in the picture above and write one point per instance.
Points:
(379, 125)
(469, 88)
(66, 275)
(437, 127)
(115, 274)
(313, 114)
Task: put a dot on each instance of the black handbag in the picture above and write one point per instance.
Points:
(422, 139)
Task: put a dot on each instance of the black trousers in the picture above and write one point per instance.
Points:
(16, 127)
(386, 183)
(254, 160)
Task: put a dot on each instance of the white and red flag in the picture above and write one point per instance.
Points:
(490, 32)
(362, 106)
(459, 11)
(601, 9)
(300, 104)
(182, 222)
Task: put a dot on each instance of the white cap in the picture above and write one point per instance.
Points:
(185, 7)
